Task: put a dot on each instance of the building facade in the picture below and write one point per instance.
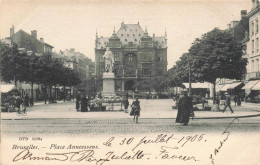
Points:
(253, 51)
(81, 65)
(28, 43)
(252, 87)
(138, 56)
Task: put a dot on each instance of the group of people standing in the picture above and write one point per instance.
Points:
(82, 103)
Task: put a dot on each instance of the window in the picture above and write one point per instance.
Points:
(127, 35)
(256, 26)
(252, 28)
(101, 58)
(257, 44)
(133, 34)
(130, 58)
(146, 70)
(160, 70)
(257, 65)
(101, 70)
(253, 46)
(159, 57)
(125, 39)
(116, 57)
(122, 34)
(252, 66)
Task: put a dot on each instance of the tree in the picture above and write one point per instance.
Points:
(12, 67)
(217, 54)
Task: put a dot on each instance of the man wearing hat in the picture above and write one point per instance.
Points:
(228, 103)
(184, 108)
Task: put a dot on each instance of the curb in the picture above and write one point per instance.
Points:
(246, 116)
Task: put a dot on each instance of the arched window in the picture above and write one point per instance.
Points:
(130, 57)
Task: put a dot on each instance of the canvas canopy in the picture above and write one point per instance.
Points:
(7, 87)
(198, 85)
(250, 84)
(230, 86)
(256, 87)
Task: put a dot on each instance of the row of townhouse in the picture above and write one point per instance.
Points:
(247, 32)
(29, 43)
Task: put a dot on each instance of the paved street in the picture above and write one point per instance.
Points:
(156, 116)
(92, 127)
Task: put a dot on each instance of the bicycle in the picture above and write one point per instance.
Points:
(22, 112)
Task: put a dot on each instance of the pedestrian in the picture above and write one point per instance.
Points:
(78, 101)
(238, 100)
(26, 100)
(18, 102)
(84, 104)
(228, 103)
(126, 104)
(246, 97)
(184, 108)
(235, 100)
(31, 101)
(135, 110)
(217, 102)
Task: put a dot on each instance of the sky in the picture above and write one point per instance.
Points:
(73, 23)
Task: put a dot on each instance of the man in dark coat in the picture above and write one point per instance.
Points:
(26, 100)
(78, 100)
(184, 109)
(84, 104)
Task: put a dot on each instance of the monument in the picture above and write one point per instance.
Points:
(109, 75)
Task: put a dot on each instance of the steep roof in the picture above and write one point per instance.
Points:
(102, 42)
(130, 33)
(29, 35)
(160, 42)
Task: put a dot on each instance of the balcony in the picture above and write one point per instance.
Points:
(253, 75)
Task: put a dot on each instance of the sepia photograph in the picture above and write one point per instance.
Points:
(130, 82)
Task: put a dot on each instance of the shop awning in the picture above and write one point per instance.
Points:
(198, 85)
(250, 84)
(256, 87)
(230, 86)
(218, 87)
(7, 87)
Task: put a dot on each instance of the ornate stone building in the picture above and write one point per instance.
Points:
(138, 56)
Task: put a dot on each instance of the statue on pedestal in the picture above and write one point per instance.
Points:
(109, 61)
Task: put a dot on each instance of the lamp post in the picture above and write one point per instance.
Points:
(190, 92)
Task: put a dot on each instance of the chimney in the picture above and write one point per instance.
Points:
(12, 31)
(243, 13)
(229, 26)
(42, 40)
(34, 34)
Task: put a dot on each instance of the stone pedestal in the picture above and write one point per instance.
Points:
(108, 84)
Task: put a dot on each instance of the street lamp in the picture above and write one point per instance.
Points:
(190, 92)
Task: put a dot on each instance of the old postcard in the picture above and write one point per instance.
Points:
(130, 82)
